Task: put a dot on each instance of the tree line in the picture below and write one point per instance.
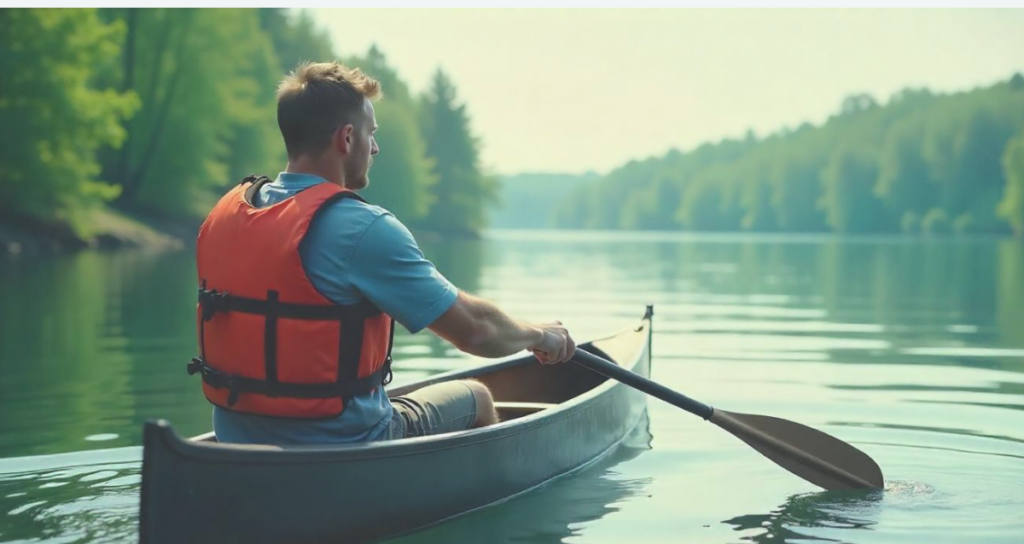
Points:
(923, 162)
(156, 112)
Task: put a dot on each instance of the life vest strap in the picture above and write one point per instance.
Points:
(240, 384)
(213, 301)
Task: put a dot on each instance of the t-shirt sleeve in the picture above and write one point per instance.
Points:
(389, 269)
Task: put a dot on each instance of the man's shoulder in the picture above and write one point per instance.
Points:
(352, 211)
(349, 221)
(358, 203)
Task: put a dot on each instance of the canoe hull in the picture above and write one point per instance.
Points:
(195, 492)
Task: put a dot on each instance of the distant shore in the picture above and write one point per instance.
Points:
(116, 230)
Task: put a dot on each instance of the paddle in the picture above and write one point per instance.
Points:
(817, 457)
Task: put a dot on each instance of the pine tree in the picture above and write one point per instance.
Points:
(462, 192)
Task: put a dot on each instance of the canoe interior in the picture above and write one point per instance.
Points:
(523, 386)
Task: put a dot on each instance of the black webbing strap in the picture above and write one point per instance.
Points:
(257, 183)
(239, 384)
(388, 360)
(270, 338)
(350, 348)
(202, 327)
(213, 301)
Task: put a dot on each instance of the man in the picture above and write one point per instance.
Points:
(301, 281)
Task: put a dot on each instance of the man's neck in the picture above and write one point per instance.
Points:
(304, 165)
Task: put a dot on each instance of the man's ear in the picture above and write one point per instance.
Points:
(343, 138)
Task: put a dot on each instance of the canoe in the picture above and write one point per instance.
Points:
(556, 512)
(555, 420)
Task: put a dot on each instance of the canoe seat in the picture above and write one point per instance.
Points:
(515, 410)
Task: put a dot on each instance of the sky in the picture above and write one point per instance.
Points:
(573, 90)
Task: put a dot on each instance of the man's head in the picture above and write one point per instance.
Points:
(325, 113)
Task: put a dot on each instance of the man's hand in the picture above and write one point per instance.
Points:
(555, 346)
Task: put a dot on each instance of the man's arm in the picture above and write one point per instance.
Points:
(388, 268)
(477, 327)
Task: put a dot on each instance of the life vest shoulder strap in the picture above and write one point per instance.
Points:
(256, 182)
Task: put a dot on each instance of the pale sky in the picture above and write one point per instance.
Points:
(565, 90)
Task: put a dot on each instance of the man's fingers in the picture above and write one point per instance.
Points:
(559, 345)
(543, 356)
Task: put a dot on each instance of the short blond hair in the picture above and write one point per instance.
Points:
(317, 98)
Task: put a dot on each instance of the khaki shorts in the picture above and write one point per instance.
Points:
(440, 408)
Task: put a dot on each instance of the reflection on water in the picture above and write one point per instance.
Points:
(71, 500)
(828, 510)
(910, 349)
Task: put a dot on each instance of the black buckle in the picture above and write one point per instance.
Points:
(212, 301)
(388, 375)
(195, 365)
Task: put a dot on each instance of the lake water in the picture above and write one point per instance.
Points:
(910, 349)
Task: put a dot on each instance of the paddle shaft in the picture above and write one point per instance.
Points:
(616, 372)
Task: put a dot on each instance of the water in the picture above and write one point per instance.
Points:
(912, 350)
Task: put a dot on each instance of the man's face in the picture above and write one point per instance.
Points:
(362, 149)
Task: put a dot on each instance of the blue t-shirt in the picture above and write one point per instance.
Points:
(352, 251)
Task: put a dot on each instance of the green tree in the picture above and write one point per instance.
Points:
(653, 207)
(52, 116)
(402, 176)
(796, 190)
(849, 203)
(205, 118)
(857, 103)
(1012, 206)
(903, 181)
(978, 148)
(711, 201)
(294, 40)
(462, 191)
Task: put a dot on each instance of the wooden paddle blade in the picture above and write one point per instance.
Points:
(815, 456)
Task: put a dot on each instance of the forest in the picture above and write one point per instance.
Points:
(920, 163)
(125, 113)
(110, 116)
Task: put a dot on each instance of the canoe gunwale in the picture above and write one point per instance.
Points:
(161, 430)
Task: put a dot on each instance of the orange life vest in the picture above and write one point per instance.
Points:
(270, 343)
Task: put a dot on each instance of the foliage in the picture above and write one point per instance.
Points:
(922, 161)
(1012, 206)
(204, 121)
(402, 176)
(160, 110)
(172, 106)
(462, 192)
(52, 118)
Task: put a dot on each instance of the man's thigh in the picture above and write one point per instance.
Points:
(435, 409)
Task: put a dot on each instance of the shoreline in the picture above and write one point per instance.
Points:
(114, 230)
(117, 230)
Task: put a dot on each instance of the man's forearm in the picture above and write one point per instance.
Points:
(497, 334)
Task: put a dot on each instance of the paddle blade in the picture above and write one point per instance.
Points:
(817, 457)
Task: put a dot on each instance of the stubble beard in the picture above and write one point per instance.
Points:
(358, 180)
